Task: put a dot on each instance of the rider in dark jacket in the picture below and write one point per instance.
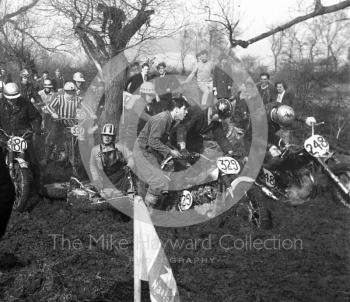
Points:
(198, 123)
(18, 116)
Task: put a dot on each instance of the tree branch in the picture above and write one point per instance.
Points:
(21, 10)
(319, 11)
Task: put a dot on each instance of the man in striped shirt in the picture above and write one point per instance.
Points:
(63, 109)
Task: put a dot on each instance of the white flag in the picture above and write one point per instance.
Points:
(150, 261)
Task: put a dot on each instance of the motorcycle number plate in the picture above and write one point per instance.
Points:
(228, 165)
(317, 146)
(80, 114)
(269, 178)
(17, 144)
(186, 201)
(77, 130)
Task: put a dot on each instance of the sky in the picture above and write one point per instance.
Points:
(256, 17)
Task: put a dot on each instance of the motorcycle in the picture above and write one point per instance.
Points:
(202, 188)
(66, 151)
(18, 167)
(294, 178)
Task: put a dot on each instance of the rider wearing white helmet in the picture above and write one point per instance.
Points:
(63, 107)
(79, 81)
(109, 160)
(18, 116)
(279, 115)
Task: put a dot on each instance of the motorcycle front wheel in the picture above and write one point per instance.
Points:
(342, 171)
(21, 179)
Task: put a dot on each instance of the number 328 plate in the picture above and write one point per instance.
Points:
(317, 146)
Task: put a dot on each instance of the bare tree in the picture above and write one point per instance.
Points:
(277, 41)
(318, 10)
(185, 46)
(108, 28)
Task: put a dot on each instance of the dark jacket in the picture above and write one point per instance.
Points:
(20, 116)
(155, 135)
(195, 125)
(28, 91)
(58, 83)
(7, 195)
(135, 119)
(165, 83)
(287, 99)
(268, 94)
(221, 80)
(135, 82)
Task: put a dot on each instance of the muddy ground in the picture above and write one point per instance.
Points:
(62, 256)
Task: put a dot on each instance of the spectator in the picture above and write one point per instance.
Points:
(79, 81)
(40, 81)
(4, 76)
(283, 96)
(203, 69)
(266, 89)
(27, 89)
(165, 85)
(134, 82)
(137, 112)
(222, 80)
(58, 81)
(134, 68)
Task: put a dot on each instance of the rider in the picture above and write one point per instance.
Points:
(152, 149)
(279, 115)
(198, 122)
(62, 107)
(17, 116)
(110, 159)
(79, 81)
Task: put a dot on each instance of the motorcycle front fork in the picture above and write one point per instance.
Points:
(333, 177)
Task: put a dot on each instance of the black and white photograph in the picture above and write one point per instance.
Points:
(173, 150)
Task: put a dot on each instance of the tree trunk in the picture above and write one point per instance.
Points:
(115, 74)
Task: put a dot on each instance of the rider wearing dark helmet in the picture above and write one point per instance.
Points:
(198, 123)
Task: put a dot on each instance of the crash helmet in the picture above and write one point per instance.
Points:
(147, 88)
(47, 83)
(11, 91)
(283, 115)
(69, 86)
(24, 73)
(78, 77)
(108, 129)
(224, 108)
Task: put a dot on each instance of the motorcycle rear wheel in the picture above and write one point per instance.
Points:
(21, 180)
(342, 171)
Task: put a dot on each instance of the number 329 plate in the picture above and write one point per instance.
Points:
(317, 146)
(228, 165)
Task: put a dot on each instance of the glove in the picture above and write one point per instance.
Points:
(310, 120)
(274, 151)
(55, 116)
(175, 154)
(185, 153)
